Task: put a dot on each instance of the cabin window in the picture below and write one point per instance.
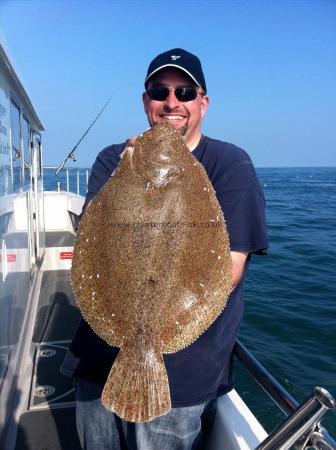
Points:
(26, 149)
(16, 146)
(15, 127)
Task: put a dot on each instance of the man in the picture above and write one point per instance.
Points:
(175, 92)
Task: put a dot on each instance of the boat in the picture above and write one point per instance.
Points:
(38, 315)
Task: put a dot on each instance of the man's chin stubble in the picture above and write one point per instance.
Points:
(183, 130)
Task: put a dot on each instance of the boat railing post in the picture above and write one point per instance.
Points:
(297, 429)
(67, 180)
(321, 439)
(77, 181)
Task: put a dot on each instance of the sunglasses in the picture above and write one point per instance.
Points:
(183, 93)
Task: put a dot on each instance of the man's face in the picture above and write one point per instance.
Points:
(184, 116)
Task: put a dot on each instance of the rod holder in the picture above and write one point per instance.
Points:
(301, 425)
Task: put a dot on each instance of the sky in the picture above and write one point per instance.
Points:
(270, 68)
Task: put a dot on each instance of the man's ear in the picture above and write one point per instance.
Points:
(145, 100)
(204, 104)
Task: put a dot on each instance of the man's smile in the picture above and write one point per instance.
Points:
(175, 119)
(172, 117)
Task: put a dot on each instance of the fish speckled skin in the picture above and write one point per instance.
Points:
(151, 268)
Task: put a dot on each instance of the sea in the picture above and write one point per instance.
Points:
(290, 294)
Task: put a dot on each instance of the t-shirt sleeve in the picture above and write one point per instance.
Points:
(242, 200)
(101, 172)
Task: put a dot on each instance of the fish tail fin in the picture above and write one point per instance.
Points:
(137, 388)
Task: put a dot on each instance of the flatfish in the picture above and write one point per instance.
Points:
(151, 268)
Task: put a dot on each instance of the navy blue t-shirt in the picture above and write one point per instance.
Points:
(202, 370)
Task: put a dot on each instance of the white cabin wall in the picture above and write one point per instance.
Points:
(16, 235)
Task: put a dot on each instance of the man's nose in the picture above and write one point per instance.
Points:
(171, 101)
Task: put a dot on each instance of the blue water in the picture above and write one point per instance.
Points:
(290, 314)
(52, 181)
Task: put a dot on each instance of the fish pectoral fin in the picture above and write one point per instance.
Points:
(137, 388)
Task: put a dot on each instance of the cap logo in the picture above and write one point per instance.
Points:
(175, 57)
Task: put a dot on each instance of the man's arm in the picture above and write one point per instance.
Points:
(238, 266)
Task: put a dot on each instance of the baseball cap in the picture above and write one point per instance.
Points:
(180, 59)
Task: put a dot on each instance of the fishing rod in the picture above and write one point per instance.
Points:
(71, 154)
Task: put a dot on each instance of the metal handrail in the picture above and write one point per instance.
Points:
(302, 427)
(78, 172)
(269, 384)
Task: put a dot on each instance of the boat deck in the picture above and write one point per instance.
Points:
(49, 421)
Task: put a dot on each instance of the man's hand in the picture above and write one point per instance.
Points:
(132, 141)
(238, 266)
